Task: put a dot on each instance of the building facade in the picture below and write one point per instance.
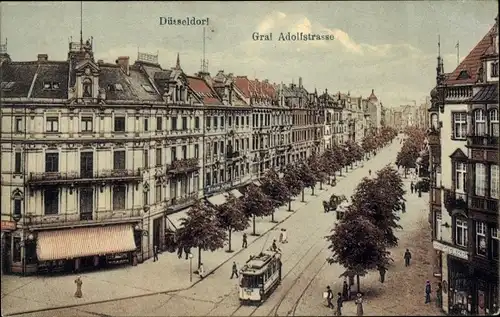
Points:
(464, 170)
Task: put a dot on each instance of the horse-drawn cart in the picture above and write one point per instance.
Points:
(333, 203)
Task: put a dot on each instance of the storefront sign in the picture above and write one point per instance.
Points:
(7, 225)
(451, 250)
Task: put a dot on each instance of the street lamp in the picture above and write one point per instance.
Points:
(190, 267)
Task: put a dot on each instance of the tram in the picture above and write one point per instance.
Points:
(260, 276)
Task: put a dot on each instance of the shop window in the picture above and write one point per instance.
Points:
(481, 238)
(16, 254)
(30, 249)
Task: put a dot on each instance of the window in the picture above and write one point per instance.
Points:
(52, 124)
(158, 192)
(158, 157)
(118, 87)
(495, 238)
(173, 154)
(87, 88)
(222, 122)
(119, 124)
(480, 180)
(248, 120)
(494, 179)
(18, 122)
(494, 122)
(51, 201)
(146, 121)
(146, 159)
(148, 88)
(17, 207)
(173, 189)
(221, 147)
(119, 160)
(437, 229)
(118, 197)
(494, 69)
(51, 162)
(207, 179)
(145, 196)
(459, 125)
(184, 152)
(216, 122)
(86, 200)
(208, 122)
(215, 148)
(174, 123)
(197, 122)
(481, 238)
(18, 167)
(479, 122)
(87, 124)
(460, 177)
(158, 123)
(184, 186)
(237, 121)
(184, 123)
(196, 151)
(196, 183)
(461, 231)
(230, 121)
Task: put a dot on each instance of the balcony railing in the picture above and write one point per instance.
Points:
(183, 166)
(51, 178)
(454, 200)
(83, 218)
(482, 141)
(458, 93)
(484, 204)
(182, 202)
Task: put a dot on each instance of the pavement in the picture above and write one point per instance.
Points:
(216, 295)
(169, 274)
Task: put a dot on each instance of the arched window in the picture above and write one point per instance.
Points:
(87, 88)
(434, 121)
(494, 122)
(479, 122)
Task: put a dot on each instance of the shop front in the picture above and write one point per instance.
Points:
(485, 287)
(460, 287)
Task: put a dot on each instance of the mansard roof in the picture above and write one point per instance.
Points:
(487, 94)
(200, 87)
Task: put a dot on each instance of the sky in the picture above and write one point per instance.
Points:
(390, 47)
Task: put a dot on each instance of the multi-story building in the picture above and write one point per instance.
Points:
(332, 125)
(464, 166)
(358, 115)
(374, 109)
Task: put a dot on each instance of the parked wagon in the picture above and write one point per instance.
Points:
(333, 203)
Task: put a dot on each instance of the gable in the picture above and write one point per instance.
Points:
(87, 63)
(459, 155)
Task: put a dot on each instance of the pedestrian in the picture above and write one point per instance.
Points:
(201, 271)
(370, 172)
(179, 251)
(235, 271)
(79, 283)
(187, 251)
(345, 289)
(155, 253)
(412, 187)
(325, 206)
(407, 257)
(339, 304)
(329, 297)
(285, 238)
(439, 295)
(245, 243)
(359, 305)
(349, 291)
(428, 292)
(274, 247)
(403, 207)
(382, 271)
(419, 191)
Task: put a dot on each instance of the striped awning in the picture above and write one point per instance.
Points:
(81, 242)
(217, 200)
(236, 193)
(175, 219)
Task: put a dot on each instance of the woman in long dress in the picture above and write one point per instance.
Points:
(78, 282)
(359, 305)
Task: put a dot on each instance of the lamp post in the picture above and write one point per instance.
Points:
(190, 267)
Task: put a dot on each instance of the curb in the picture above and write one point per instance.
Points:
(179, 289)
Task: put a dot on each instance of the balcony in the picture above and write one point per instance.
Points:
(458, 93)
(83, 219)
(183, 166)
(232, 155)
(453, 200)
(179, 203)
(482, 141)
(56, 178)
(489, 205)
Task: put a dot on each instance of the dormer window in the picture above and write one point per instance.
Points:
(50, 85)
(463, 75)
(148, 88)
(7, 85)
(87, 88)
(115, 87)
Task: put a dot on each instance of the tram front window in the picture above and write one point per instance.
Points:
(251, 281)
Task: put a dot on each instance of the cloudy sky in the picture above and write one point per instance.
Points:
(387, 46)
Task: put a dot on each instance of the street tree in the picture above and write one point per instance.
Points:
(318, 169)
(232, 217)
(306, 175)
(276, 189)
(201, 229)
(256, 203)
(391, 185)
(355, 244)
(371, 198)
(292, 182)
(330, 163)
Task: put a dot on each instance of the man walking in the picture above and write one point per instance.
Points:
(403, 207)
(370, 172)
(329, 297)
(407, 257)
(235, 271)
(245, 243)
(412, 187)
(427, 292)
(339, 304)
(155, 253)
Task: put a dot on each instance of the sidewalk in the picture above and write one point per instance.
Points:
(169, 274)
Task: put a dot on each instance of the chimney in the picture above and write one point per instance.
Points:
(300, 82)
(373, 90)
(42, 57)
(123, 62)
